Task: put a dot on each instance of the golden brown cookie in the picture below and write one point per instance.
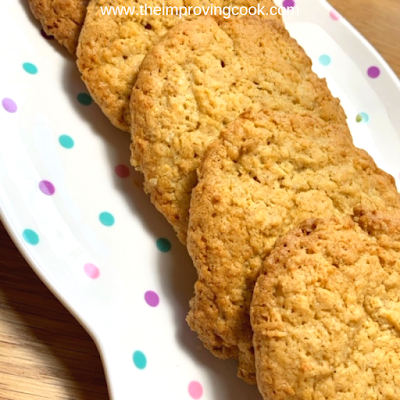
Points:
(112, 47)
(62, 19)
(202, 76)
(268, 172)
(326, 311)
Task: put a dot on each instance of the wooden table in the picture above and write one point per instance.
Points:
(44, 352)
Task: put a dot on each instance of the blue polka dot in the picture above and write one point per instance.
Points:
(163, 245)
(362, 117)
(30, 237)
(85, 99)
(139, 359)
(66, 141)
(324, 60)
(107, 219)
(30, 68)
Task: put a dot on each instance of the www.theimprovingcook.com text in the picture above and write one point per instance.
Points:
(181, 11)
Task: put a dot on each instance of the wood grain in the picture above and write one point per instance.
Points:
(379, 22)
(44, 352)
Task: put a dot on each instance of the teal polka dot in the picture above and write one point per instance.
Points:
(85, 99)
(362, 117)
(30, 68)
(66, 141)
(139, 359)
(324, 60)
(30, 237)
(107, 219)
(163, 245)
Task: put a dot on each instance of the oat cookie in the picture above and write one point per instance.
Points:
(326, 311)
(62, 19)
(268, 172)
(112, 48)
(202, 76)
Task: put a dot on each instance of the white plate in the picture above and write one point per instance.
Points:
(131, 296)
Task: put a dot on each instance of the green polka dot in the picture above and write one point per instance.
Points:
(66, 141)
(362, 117)
(324, 60)
(107, 219)
(163, 245)
(30, 68)
(85, 99)
(30, 237)
(139, 359)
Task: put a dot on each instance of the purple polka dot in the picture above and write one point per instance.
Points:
(334, 15)
(288, 3)
(374, 72)
(9, 105)
(152, 298)
(46, 36)
(195, 390)
(122, 171)
(91, 271)
(47, 188)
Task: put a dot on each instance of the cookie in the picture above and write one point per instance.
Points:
(202, 76)
(112, 47)
(326, 311)
(62, 19)
(268, 172)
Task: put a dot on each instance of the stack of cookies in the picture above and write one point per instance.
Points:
(294, 232)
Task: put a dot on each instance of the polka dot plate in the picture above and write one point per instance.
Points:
(78, 214)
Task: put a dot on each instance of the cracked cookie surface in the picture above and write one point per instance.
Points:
(202, 76)
(267, 173)
(112, 47)
(62, 19)
(326, 311)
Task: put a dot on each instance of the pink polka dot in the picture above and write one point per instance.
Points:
(373, 72)
(152, 298)
(122, 171)
(47, 188)
(91, 271)
(195, 390)
(288, 3)
(9, 105)
(334, 15)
